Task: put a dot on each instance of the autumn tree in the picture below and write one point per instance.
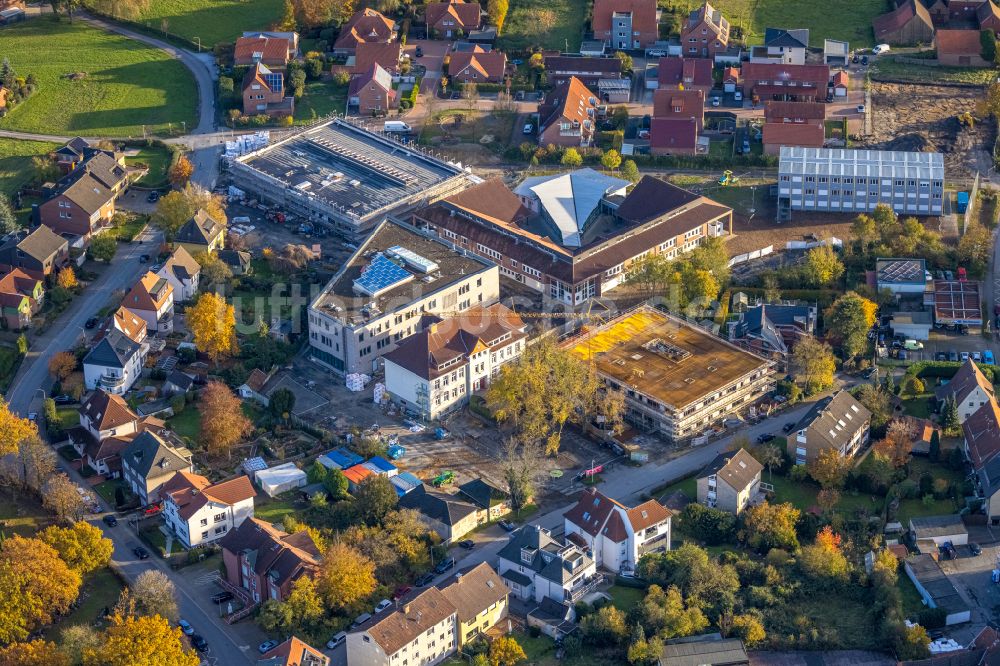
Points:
(223, 424)
(213, 322)
(813, 365)
(611, 159)
(214, 271)
(36, 653)
(374, 498)
(822, 266)
(59, 495)
(103, 248)
(827, 498)
(571, 158)
(664, 613)
(13, 429)
(146, 640)
(824, 559)
(911, 643)
(181, 172)
(345, 576)
(642, 651)
(877, 401)
(154, 594)
(829, 469)
(897, 443)
(506, 651)
(30, 466)
(62, 365)
(77, 639)
(81, 546)
(848, 320)
(749, 628)
(67, 278)
(605, 628)
(37, 584)
(768, 526)
(520, 463)
(299, 613)
(177, 207)
(975, 248)
(497, 12)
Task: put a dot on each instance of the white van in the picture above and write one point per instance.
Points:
(396, 126)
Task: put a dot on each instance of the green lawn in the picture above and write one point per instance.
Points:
(212, 21)
(68, 416)
(849, 20)
(556, 24)
(321, 98)
(273, 510)
(897, 71)
(24, 516)
(187, 423)
(100, 589)
(912, 601)
(106, 489)
(15, 162)
(919, 406)
(625, 598)
(158, 161)
(125, 85)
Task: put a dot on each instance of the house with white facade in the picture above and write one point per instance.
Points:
(152, 299)
(436, 370)
(969, 388)
(183, 273)
(782, 46)
(114, 364)
(535, 565)
(421, 631)
(197, 511)
(616, 534)
(107, 426)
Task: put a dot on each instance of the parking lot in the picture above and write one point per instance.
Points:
(952, 345)
(971, 575)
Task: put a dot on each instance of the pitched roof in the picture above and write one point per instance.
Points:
(568, 102)
(675, 103)
(376, 75)
(149, 293)
(190, 492)
(128, 323)
(841, 79)
(181, 380)
(255, 382)
(833, 420)
(114, 350)
(88, 193)
(771, 71)
(181, 264)
(710, 650)
(957, 42)
(262, 76)
(235, 258)
(673, 133)
(737, 468)
(777, 111)
(675, 71)
(416, 616)
(293, 652)
(986, 11)
(103, 166)
(466, 14)
(16, 281)
(652, 198)
(272, 552)
(798, 38)
(810, 135)
(149, 455)
(647, 514)
(562, 564)
(483, 493)
(446, 509)
(384, 54)
(591, 511)
(201, 229)
(366, 25)
(427, 353)
(982, 433)
(713, 17)
(967, 379)
(261, 47)
(489, 65)
(896, 19)
(42, 243)
(491, 200)
(474, 590)
(610, 67)
(106, 410)
(643, 14)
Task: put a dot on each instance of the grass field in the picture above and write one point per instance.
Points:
(849, 20)
(187, 423)
(907, 72)
(321, 98)
(158, 161)
(557, 24)
(213, 21)
(273, 510)
(100, 589)
(15, 162)
(127, 85)
(24, 516)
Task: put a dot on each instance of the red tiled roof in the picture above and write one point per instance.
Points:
(776, 111)
(106, 410)
(774, 71)
(686, 71)
(490, 65)
(957, 42)
(141, 296)
(491, 200)
(899, 17)
(294, 652)
(731, 74)
(841, 79)
(673, 133)
(982, 433)
(643, 14)
(468, 15)
(568, 102)
(386, 55)
(367, 25)
(260, 47)
(691, 103)
(809, 135)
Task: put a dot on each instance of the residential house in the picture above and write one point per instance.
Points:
(270, 49)
(969, 388)
(253, 387)
(452, 19)
(152, 299)
(367, 25)
(436, 370)
(107, 425)
(129, 324)
(371, 93)
(794, 112)
(535, 565)
(680, 105)
(909, 23)
(201, 234)
(114, 363)
(778, 135)
(673, 136)
(41, 252)
(704, 650)
(960, 48)
(836, 52)
(266, 561)
(686, 73)
(792, 83)
(988, 16)
(626, 24)
(568, 115)
(938, 10)
(239, 261)
(782, 46)
(264, 93)
(72, 154)
(479, 596)
(836, 422)
(493, 502)
(384, 54)
(293, 652)
(705, 33)
(182, 272)
(83, 201)
(148, 462)
(772, 330)
(982, 444)
(451, 516)
(964, 11)
(423, 629)
(559, 69)
(21, 298)
(731, 482)
(616, 534)
(477, 67)
(198, 512)
(177, 383)
(555, 619)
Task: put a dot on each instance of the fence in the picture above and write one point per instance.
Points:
(970, 209)
(755, 254)
(806, 245)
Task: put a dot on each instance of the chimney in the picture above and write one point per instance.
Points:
(406, 609)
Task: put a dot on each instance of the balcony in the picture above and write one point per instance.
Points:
(585, 589)
(112, 383)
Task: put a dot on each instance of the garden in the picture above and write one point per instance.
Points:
(848, 20)
(15, 162)
(555, 24)
(92, 82)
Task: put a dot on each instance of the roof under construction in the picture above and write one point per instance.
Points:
(957, 302)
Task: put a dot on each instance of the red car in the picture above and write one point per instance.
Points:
(401, 592)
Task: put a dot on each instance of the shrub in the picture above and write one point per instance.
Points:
(177, 403)
(932, 618)
(712, 525)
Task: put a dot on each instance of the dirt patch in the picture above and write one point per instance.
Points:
(925, 119)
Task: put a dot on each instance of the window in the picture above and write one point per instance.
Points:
(204, 522)
(219, 517)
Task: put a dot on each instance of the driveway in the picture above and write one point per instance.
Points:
(32, 377)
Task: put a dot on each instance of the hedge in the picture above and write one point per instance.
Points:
(947, 369)
(410, 100)
(500, 87)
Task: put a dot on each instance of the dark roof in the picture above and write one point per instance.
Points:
(982, 434)
(235, 258)
(798, 38)
(491, 200)
(737, 468)
(201, 229)
(705, 651)
(933, 579)
(273, 553)
(965, 381)
(560, 563)
(148, 455)
(927, 527)
(583, 66)
(824, 417)
(441, 507)
(42, 243)
(113, 351)
(651, 198)
(897, 19)
(180, 380)
(483, 493)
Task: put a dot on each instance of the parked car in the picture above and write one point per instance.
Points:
(507, 525)
(965, 356)
(336, 641)
(952, 355)
(467, 544)
(861, 108)
(941, 356)
(63, 399)
(382, 605)
(864, 61)
(221, 597)
(788, 427)
(856, 59)
(975, 549)
(153, 197)
(141, 553)
(716, 101)
(901, 355)
(765, 438)
(110, 520)
(529, 128)
(91, 323)
(881, 48)
(738, 96)
(419, 52)
(948, 275)
(424, 580)
(267, 646)
(988, 357)
(913, 345)
(444, 565)
(361, 619)
(401, 591)
(185, 627)
(199, 643)
(976, 356)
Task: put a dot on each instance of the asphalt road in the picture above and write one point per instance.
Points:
(32, 377)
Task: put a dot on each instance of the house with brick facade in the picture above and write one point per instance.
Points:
(959, 48)
(447, 20)
(686, 73)
(790, 83)
(705, 33)
(264, 93)
(367, 25)
(568, 115)
(372, 92)
(680, 104)
(673, 136)
(265, 561)
(83, 201)
(626, 24)
(477, 67)
(39, 253)
(273, 50)
(384, 54)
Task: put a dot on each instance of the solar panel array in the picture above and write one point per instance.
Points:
(412, 259)
(379, 275)
(274, 82)
(910, 270)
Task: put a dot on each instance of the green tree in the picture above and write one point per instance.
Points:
(571, 158)
(336, 483)
(934, 451)
(848, 320)
(103, 248)
(988, 42)
(605, 628)
(768, 526)
(611, 159)
(630, 171)
(911, 643)
(642, 651)
(664, 613)
(813, 365)
(626, 62)
(8, 220)
(949, 415)
(975, 247)
(316, 472)
(864, 231)
(876, 400)
(823, 267)
(281, 403)
(374, 498)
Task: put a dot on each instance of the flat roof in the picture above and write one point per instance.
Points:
(350, 169)
(342, 299)
(870, 163)
(931, 577)
(664, 357)
(957, 301)
(901, 271)
(927, 527)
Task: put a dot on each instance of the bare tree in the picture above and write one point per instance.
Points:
(154, 594)
(521, 464)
